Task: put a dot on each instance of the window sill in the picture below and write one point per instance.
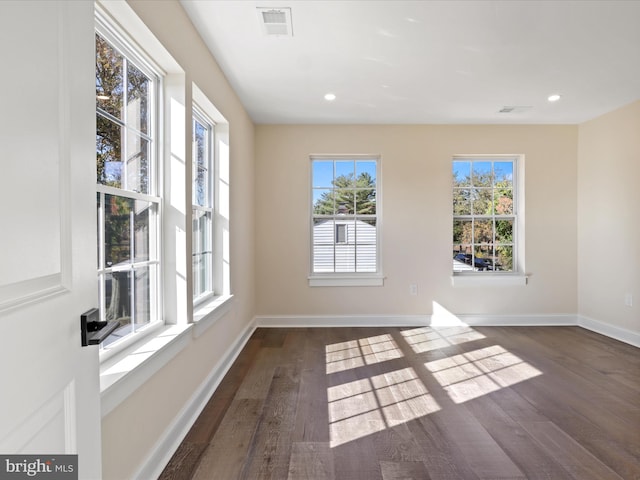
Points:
(482, 280)
(207, 313)
(347, 280)
(126, 371)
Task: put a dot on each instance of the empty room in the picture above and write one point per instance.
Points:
(312, 239)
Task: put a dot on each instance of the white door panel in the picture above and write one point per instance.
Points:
(48, 428)
(50, 401)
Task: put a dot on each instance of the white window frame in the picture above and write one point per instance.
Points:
(211, 307)
(341, 233)
(517, 276)
(132, 52)
(208, 210)
(346, 279)
(122, 368)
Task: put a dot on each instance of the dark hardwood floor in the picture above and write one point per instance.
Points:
(421, 403)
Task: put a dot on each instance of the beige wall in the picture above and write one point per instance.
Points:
(131, 430)
(608, 214)
(416, 209)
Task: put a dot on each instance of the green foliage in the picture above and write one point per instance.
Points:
(349, 196)
(119, 86)
(483, 223)
(117, 229)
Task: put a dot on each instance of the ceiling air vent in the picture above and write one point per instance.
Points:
(514, 109)
(276, 21)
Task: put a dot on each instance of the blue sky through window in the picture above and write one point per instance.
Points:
(323, 171)
(462, 170)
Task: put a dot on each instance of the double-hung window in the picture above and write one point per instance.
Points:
(345, 220)
(128, 200)
(485, 214)
(203, 181)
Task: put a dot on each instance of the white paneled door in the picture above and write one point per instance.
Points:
(49, 393)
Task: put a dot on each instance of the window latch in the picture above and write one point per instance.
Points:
(92, 330)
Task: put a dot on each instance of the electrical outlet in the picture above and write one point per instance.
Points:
(628, 300)
(413, 289)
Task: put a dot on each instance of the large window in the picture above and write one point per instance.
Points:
(203, 180)
(128, 200)
(485, 220)
(345, 219)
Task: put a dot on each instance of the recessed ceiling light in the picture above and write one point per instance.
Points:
(553, 98)
(330, 97)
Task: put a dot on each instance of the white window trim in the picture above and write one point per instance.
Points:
(341, 233)
(506, 279)
(128, 364)
(348, 279)
(205, 307)
(123, 373)
(108, 29)
(517, 277)
(208, 312)
(199, 115)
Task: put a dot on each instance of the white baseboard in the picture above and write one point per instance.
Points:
(167, 445)
(545, 320)
(443, 318)
(618, 333)
(299, 321)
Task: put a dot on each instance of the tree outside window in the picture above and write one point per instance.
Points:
(484, 215)
(127, 202)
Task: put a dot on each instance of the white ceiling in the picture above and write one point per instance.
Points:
(427, 61)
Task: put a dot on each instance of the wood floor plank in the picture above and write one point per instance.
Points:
(226, 455)
(258, 378)
(442, 458)
(312, 416)
(353, 414)
(274, 337)
(454, 380)
(311, 461)
(183, 462)
(401, 397)
(565, 394)
(431, 403)
(585, 371)
(404, 471)
(566, 451)
(597, 421)
(217, 406)
(617, 454)
(355, 460)
(521, 447)
(269, 454)
(485, 457)
(586, 339)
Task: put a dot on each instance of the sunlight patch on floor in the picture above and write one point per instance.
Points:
(370, 405)
(427, 339)
(358, 353)
(472, 374)
(365, 406)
